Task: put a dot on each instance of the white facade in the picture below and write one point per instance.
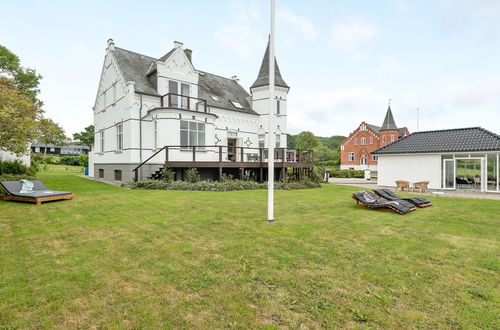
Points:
(131, 125)
(411, 168)
(441, 170)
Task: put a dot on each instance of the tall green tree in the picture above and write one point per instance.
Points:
(306, 140)
(51, 132)
(85, 137)
(18, 118)
(24, 79)
(20, 108)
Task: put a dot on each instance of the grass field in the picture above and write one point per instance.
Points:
(116, 258)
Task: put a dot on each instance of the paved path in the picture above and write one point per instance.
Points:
(366, 184)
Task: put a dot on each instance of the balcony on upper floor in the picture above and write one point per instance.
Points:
(178, 101)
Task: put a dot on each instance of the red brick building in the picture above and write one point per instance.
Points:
(355, 151)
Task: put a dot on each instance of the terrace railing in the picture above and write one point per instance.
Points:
(220, 155)
(178, 101)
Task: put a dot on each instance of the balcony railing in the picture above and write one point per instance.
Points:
(173, 100)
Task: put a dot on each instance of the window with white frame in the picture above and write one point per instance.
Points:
(262, 138)
(342, 147)
(392, 138)
(383, 139)
(363, 141)
(375, 158)
(356, 141)
(119, 136)
(278, 110)
(278, 140)
(192, 134)
(351, 156)
(155, 124)
(362, 161)
(371, 139)
(101, 139)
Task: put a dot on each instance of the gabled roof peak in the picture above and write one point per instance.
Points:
(263, 77)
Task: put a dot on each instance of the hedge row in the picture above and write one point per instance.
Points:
(338, 173)
(16, 168)
(231, 185)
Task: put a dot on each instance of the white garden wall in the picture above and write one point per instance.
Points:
(412, 168)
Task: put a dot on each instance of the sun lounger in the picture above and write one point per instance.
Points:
(370, 200)
(390, 195)
(39, 194)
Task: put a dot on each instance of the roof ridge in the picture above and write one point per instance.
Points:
(452, 129)
(130, 51)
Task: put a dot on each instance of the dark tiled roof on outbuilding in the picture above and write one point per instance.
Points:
(472, 139)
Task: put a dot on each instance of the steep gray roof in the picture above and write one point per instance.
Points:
(389, 122)
(451, 140)
(263, 77)
(135, 67)
(373, 127)
(225, 90)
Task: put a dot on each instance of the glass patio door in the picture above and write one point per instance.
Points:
(449, 174)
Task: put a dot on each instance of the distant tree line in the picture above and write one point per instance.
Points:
(325, 148)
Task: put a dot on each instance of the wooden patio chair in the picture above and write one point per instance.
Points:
(421, 186)
(402, 185)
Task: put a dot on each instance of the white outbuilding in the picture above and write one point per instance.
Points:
(452, 159)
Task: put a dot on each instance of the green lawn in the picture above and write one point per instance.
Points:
(117, 258)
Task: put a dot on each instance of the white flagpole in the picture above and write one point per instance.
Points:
(270, 156)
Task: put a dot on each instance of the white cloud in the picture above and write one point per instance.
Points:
(297, 25)
(240, 34)
(391, 68)
(351, 35)
(334, 112)
(471, 94)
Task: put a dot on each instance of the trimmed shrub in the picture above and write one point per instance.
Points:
(168, 175)
(70, 160)
(227, 185)
(338, 173)
(193, 176)
(84, 160)
(17, 168)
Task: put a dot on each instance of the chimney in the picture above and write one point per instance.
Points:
(236, 79)
(189, 54)
(111, 44)
(178, 44)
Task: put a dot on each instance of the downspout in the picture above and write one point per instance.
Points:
(140, 137)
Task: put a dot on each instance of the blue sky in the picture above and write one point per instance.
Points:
(342, 59)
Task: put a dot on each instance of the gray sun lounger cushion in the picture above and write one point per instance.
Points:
(390, 195)
(370, 200)
(39, 189)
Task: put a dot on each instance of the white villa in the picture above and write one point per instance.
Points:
(152, 113)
